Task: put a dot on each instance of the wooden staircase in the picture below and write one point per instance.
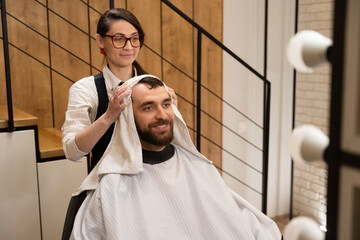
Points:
(49, 139)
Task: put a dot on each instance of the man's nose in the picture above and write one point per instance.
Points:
(160, 114)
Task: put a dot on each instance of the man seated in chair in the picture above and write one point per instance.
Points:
(152, 183)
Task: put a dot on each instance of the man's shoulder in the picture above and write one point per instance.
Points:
(183, 153)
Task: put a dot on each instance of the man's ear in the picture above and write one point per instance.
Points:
(99, 41)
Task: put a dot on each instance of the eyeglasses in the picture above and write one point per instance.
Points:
(119, 41)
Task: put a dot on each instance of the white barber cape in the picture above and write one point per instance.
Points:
(182, 198)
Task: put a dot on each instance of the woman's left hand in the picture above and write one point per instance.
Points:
(173, 96)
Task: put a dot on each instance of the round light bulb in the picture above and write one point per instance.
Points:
(307, 143)
(303, 228)
(308, 49)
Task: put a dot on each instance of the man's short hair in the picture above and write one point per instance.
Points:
(152, 82)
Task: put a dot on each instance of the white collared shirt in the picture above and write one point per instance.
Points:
(82, 110)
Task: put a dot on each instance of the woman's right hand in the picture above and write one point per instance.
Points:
(88, 137)
(116, 103)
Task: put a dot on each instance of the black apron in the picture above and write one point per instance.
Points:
(93, 159)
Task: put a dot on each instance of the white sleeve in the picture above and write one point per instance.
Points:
(81, 112)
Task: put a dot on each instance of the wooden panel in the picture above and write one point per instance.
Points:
(184, 88)
(209, 15)
(150, 61)
(178, 46)
(186, 6)
(60, 95)
(212, 152)
(149, 22)
(212, 80)
(212, 131)
(28, 40)
(69, 37)
(120, 3)
(99, 5)
(187, 111)
(208, 123)
(211, 104)
(183, 85)
(94, 18)
(2, 75)
(31, 90)
(211, 62)
(211, 95)
(94, 71)
(68, 65)
(75, 12)
(97, 59)
(31, 13)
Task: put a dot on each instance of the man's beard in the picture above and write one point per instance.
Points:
(156, 138)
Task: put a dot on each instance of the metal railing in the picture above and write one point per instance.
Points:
(11, 127)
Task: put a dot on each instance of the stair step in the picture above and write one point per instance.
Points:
(21, 118)
(50, 143)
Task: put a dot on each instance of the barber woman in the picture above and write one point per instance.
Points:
(96, 102)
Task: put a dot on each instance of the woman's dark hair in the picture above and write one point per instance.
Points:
(116, 14)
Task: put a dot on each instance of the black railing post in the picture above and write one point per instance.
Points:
(266, 118)
(111, 4)
(267, 95)
(198, 93)
(7, 67)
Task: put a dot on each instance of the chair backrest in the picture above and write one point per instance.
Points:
(73, 208)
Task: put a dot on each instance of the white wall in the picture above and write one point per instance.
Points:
(19, 199)
(244, 35)
(34, 196)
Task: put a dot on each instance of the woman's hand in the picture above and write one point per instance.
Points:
(117, 103)
(173, 96)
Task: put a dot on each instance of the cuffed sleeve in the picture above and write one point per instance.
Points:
(81, 112)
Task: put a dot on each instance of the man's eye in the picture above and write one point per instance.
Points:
(147, 108)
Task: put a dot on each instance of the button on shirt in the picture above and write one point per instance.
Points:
(82, 109)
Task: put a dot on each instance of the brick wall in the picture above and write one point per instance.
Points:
(312, 107)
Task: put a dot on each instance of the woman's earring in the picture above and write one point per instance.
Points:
(102, 51)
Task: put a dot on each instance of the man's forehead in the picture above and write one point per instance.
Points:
(144, 92)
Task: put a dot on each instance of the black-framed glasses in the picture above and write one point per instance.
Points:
(120, 41)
